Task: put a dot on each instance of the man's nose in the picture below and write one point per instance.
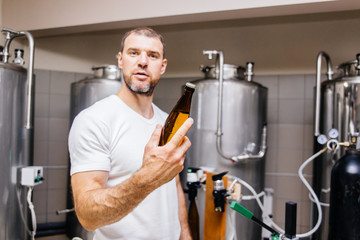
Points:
(143, 59)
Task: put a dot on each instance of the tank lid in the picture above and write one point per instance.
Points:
(107, 71)
(12, 66)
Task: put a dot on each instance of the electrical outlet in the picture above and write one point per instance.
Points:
(31, 176)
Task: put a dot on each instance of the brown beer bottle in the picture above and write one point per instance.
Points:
(193, 184)
(178, 114)
(194, 220)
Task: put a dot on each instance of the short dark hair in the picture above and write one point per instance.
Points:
(145, 31)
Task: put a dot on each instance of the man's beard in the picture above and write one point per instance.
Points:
(146, 90)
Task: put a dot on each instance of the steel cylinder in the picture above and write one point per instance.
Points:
(339, 109)
(243, 117)
(15, 152)
(344, 217)
(105, 81)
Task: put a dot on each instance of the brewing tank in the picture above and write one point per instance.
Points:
(243, 115)
(338, 106)
(16, 139)
(105, 82)
(13, 139)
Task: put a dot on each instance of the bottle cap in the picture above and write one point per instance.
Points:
(190, 85)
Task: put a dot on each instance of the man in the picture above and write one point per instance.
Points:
(124, 185)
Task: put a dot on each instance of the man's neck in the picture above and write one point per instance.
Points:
(141, 104)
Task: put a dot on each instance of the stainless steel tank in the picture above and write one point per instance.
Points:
(229, 133)
(16, 140)
(337, 106)
(105, 82)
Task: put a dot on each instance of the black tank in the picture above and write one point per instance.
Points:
(345, 198)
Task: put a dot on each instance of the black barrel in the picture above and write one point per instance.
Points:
(345, 198)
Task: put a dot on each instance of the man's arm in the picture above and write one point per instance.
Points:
(97, 205)
(183, 216)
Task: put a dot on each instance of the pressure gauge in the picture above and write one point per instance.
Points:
(322, 139)
(333, 133)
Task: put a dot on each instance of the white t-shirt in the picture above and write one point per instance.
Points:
(110, 136)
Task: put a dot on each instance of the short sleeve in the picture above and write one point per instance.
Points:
(89, 144)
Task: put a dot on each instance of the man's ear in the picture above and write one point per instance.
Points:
(119, 60)
(163, 66)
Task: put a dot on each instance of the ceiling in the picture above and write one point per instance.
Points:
(49, 18)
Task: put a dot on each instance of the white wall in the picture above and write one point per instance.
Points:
(17, 43)
(1, 14)
(45, 14)
(276, 45)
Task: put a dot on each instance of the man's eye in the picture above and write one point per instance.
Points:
(132, 53)
(154, 56)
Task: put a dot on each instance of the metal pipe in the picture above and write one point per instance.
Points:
(261, 152)
(10, 35)
(29, 123)
(220, 75)
(329, 74)
(63, 211)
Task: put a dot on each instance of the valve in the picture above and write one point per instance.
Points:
(193, 182)
(19, 57)
(9, 36)
(332, 145)
(249, 71)
(219, 192)
(331, 141)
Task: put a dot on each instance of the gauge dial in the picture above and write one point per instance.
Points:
(322, 139)
(333, 133)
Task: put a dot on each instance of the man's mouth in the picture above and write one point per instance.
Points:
(141, 74)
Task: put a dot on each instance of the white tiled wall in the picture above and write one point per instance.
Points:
(290, 113)
(290, 116)
(52, 111)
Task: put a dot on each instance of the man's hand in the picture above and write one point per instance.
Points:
(163, 163)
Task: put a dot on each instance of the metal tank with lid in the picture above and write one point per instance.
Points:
(337, 107)
(16, 139)
(107, 80)
(229, 132)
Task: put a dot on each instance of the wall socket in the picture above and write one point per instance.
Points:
(31, 176)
